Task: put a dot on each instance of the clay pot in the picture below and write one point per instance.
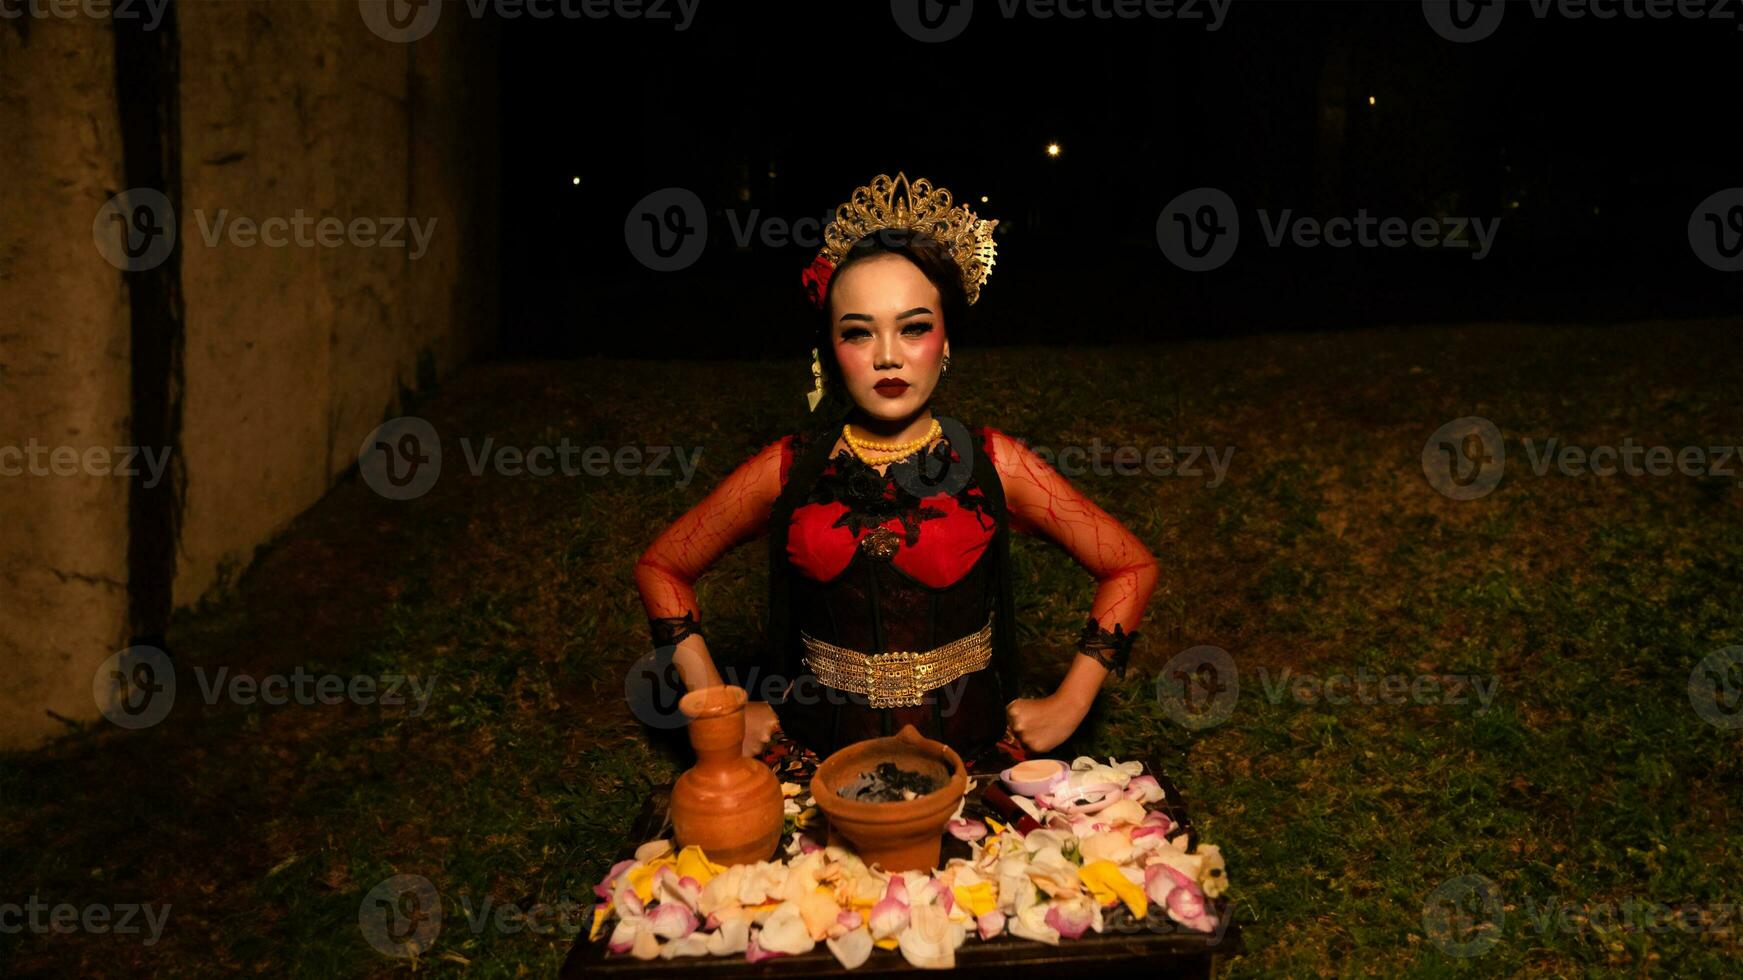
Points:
(729, 804)
(903, 836)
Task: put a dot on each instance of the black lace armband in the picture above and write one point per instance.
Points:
(1111, 650)
(668, 630)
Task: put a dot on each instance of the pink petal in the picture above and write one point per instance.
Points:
(672, 921)
(807, 845)
(966, 829)
(1069, 924)
(898, 890)
(603, 889)
(888, 917)
(756, 954)
(850, 919)
(991, 924)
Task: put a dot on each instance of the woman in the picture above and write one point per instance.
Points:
(890, 595)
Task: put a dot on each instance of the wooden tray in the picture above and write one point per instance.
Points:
(1158, 946)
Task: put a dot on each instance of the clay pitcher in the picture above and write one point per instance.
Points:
(729, 804)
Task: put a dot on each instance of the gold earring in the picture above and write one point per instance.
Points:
(815, 395)
(946, 366)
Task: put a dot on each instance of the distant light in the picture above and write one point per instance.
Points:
(1370, 100)
(576, 181)
(1594, 209)
(771, 175)
(983, 199)
(1052, 149)
(1512, 204)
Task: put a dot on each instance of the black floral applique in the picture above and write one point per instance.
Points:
(871, 498)
(1110, 648)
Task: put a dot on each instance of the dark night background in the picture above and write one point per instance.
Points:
(1596, 130)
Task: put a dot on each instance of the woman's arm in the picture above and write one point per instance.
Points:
(735, 511)
(1041, 501)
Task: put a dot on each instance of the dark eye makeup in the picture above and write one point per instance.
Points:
(918, 329)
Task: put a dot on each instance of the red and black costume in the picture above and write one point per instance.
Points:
(860, 560)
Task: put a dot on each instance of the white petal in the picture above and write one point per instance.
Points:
(785, 932)
(852, 949)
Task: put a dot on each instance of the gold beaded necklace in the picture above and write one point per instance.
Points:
(878, 453)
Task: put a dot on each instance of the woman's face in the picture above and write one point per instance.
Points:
(887, 327)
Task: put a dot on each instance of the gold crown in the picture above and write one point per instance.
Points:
(894, 203)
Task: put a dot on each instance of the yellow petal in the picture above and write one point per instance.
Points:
(888, 942)
(979, 898)
(695, 864)
(599, 914)
(641, 878)
(1106, 883)
(997, 828)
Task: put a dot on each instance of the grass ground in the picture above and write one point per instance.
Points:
(1587, 781)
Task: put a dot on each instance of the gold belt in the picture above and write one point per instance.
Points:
(901, 678)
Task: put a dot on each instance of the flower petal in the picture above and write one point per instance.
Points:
(966, 830)
(851, 949)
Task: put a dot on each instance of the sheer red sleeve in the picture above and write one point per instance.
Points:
(735, 511)
(1042, 502)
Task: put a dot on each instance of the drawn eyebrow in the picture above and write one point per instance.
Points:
(867, 317)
